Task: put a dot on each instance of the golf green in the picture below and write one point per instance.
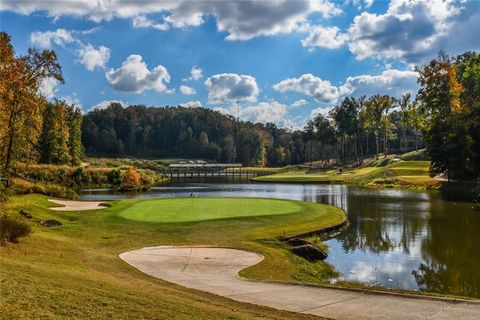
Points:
(199, 209)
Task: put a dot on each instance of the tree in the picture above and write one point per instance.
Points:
(115, 177)
(22, 103)
(75, 142)
(375, 118)
(404, 104)
(131, 179)
(444, 113)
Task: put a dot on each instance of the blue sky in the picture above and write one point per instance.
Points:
(282, 61)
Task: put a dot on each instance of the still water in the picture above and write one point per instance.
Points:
(396, 239)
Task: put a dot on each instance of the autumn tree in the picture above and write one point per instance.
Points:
(22, 103)
(444, 112)
(131, 179)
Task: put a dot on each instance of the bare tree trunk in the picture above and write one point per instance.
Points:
(377, 143)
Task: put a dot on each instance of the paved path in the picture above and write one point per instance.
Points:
(70, 205)
(215, 270)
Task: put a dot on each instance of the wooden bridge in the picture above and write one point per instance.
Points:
(202, 171)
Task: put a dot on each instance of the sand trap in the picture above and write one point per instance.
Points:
(215, 270)
(70, 205)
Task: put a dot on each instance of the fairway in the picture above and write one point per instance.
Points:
(200, 209)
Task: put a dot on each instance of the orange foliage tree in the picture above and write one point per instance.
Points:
(131, 178)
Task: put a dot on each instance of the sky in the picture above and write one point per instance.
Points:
(280, 61)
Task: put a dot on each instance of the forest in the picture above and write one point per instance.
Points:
(443, 117)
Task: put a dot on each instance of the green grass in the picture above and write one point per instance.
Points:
(388, 172)
(198, 209)
(307, 175)
(73, 271)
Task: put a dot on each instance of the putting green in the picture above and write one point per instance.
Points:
(198, 209)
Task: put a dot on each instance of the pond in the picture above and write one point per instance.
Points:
(396, 239)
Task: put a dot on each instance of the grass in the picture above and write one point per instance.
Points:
(389, 173)
(73, 271)
(307, 175)
(198, 209)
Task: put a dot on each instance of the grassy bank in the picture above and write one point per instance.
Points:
(73, 271)
(386, 173)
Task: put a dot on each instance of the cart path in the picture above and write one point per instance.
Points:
(215, 270)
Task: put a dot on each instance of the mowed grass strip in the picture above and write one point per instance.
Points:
(201, 209)
(74, 272)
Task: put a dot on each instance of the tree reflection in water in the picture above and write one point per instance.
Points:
(408, 240)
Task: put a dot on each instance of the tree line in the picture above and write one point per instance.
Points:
(188, 133)
(31, 127)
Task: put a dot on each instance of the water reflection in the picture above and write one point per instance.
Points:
(396, 239)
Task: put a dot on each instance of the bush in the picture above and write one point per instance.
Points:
(131, 179)
(115, 177)
(20, 186)
(12, 229)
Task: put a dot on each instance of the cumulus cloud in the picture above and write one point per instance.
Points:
(144, 22)
(299, 103)
(392, 82)
(46, 39)
(186, 90)
(263, 112)
(48, 87)
(320, 110)
(196, 73)
(324, 37)
(231, 87)
(192, 104)
(106, 103)
(308, 84)
(134, 76)
(73, 100)
(414, 30)
(93, 58)
(241, 20)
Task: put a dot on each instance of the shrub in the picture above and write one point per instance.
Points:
(115, 177)
(12, 229)
(131, 179)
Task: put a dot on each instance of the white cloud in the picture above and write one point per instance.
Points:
(93, 58)
(263, 112)
(144, 22)
(195, 74)
(320, 110)
(231, 87)
(299, 103)
(241, 20)
(186, 90)
(48, 87)
(72, 100)
(134, 76)
(414, 30)
(324, 37)
(368, 3)
(45, 39)
(192, 104)
(308, 84)
(392, 82)
(106, 103)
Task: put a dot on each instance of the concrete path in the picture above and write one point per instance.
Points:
(70, 205)
(215, 270)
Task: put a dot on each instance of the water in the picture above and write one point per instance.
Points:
(396, 239)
